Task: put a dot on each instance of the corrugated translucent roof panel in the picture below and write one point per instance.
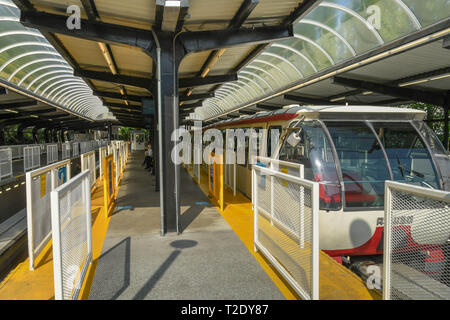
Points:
(29, 63)
(335, 31)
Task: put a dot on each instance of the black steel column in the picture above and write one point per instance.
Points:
(109, 133)
(446, 127)
(46, 132)
(168, 64)
(35, 135)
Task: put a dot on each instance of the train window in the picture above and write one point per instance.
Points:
(276, 131)
(256, 141)
(246, 146)
(364, 167)
(441, 156)
(310, 147)
(408, 156)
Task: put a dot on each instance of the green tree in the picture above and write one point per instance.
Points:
(433, 113)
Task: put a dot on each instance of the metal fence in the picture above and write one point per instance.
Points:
(76, 149)
(72, 235)
(31, 158)
(286, 227)
(416, 243)
(39, 184)
(102, 154)
(5, 163)
(88, 163)
(291, 168)
(65, 150)
(52, 153)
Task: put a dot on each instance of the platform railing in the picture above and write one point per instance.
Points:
(6, 163)
(416, 243)
(39, 184)
(52, 153)
(103, 152)
(65, 150)
(109, 187)
(72, 235)
(31, 158)
(286, 227)
(88, 163)
(291, 168)
(76, 149)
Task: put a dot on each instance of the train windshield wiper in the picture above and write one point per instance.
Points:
(410, 171)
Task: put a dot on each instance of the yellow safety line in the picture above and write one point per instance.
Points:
(23, 284)
(336, 281)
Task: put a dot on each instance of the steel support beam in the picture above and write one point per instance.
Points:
(303, 8)
(398, 92)
(198, 81)
(90, 30)
(14, 105)
(219, 39)
(118, 96)
(194, 97)
(118, 79)
(446, 125)
(306, 100)
(167, 114)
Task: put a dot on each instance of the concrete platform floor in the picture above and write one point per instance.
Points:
(208, 261)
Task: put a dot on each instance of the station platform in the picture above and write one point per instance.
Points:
(213, 258)
(207, 261)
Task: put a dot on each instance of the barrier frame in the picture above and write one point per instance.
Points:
(9, 160)
(56, 234)
(429, 194)
(94, 173)
(29, 176)
(109, 187)
(314, 186)
(217, 178)
(50, 153)
(33, 164)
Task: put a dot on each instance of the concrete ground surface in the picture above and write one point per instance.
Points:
(207, 261)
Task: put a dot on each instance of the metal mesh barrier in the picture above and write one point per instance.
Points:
(52, 153)
(102, 154)
(286, 227)
(76, 149)
(39, 184)
(31, 158)
(72, 236)
(65, 149)
(88, 163)
(5, 163)
(416, 243)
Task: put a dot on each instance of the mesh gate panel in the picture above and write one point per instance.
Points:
(74, 240)
(5, 163)
(420, 248)
(41, 187)
(285, 227)
(52, 153)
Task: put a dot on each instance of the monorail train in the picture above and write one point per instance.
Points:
(351, 151)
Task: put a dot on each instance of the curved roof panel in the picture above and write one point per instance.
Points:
(334, 32)
(30, 64)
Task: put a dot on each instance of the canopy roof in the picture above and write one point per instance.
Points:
(29, 64)
(337, 33)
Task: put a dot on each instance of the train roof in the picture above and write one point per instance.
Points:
(328, 113)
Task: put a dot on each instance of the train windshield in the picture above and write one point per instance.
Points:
(367, 154)
(408, 155)
(438, 150)
(363, 164)
(310, 147)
